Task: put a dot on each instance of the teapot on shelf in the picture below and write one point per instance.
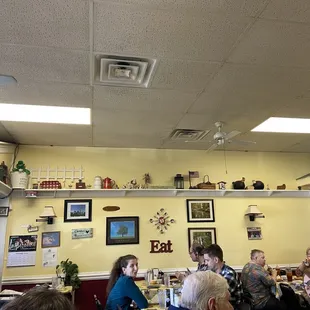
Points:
(258, 185)
(239, 184)
(108, 183)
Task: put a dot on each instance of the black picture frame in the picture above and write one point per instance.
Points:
(127, 224)
(78, 210)
(202, 235)
(200, 210)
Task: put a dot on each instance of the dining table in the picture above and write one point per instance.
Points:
(160, 296)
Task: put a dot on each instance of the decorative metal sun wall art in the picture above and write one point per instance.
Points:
(162, 220)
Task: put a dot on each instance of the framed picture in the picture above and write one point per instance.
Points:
(200, 210)
(50, 239)
(78, 210)
(254, 233)
(4, 211)
(203, 236)
(122, 230)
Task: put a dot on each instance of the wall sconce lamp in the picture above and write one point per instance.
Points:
(253, 212)
(47, 215)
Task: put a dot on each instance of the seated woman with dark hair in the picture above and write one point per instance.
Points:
(40, 298)
(121, 290)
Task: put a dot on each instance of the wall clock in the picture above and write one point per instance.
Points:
(162, 220)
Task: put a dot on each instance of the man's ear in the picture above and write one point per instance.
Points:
(216, 259)
(211, 303)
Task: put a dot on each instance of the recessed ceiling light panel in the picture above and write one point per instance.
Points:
(44, 114)
(284, 125)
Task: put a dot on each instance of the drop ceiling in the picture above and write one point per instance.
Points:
(234, 61)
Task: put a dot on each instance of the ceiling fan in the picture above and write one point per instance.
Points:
(221, 138)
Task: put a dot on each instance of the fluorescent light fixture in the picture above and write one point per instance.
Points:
(7, 79)
(44, 114)
(284, 124)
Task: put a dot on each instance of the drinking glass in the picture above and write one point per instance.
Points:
(55, 282)
(166, 279)
(162, 299)
(289, 274)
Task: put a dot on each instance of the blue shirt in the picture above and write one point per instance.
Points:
(123, 292)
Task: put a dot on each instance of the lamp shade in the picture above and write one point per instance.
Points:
(48, 212)
(252, 209)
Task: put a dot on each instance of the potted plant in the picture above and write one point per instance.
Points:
(70, 271)
(20, 175)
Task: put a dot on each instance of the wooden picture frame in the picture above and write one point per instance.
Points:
(202, 235)
(50, 239)
(122, 230)
(200, 210)
(79, 210)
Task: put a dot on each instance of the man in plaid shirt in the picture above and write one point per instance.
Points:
(213, 256)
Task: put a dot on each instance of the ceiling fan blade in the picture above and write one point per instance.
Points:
(232, 134)
(242, 142)
(212, 147)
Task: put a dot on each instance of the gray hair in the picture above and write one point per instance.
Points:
(200, 286)
(255, 252)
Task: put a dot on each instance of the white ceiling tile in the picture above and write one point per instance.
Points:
(302, 146)
(50, 134)
(274, 43)
(44, 64)
(57, 94)
(149, 32)
(251, 90)
(298, 108)
(134, 123)
(137, 99)
(182, 74)
(46, 23)
(5, 135)
(194, 121)
(178, 145)
(237, 7)
(265, 142)
(123, 140)
(291, 10)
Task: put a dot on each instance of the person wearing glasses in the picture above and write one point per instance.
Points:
(196, 254)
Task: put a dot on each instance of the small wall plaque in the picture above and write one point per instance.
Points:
(82, 233)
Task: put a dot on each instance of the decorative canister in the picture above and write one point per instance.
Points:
(98, 182)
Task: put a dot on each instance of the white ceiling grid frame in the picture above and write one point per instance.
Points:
(186, 67)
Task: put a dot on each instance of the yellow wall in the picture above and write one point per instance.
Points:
(285, 229)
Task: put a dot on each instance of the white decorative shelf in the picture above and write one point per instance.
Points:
(89, 193)
(4, 190)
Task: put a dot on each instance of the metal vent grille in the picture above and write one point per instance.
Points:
(188, 135)
(124, 71)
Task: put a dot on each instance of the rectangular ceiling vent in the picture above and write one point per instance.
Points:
(187, 135)
(125, 71)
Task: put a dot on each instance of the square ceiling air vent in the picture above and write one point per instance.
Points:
(125, 71)
(187, 135)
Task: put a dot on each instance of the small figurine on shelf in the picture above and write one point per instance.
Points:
(20, 175)
(80, 185)
(3, 173)
(147, 180)
(222, 185)
(21, 167)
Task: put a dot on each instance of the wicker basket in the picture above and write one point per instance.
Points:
(206, 185)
